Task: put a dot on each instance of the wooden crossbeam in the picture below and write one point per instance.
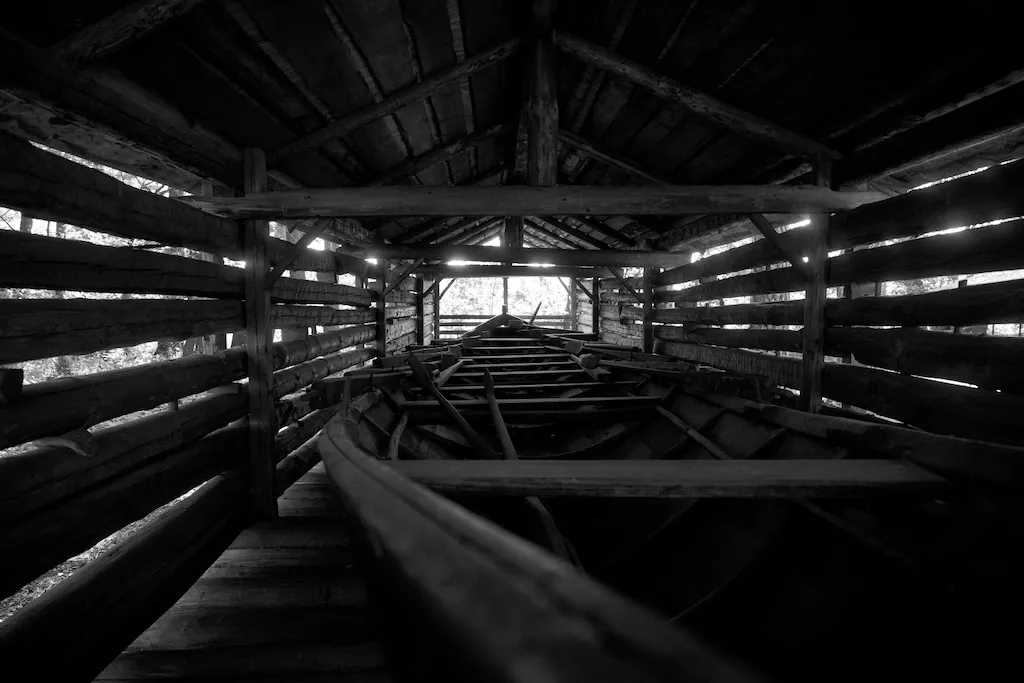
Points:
(443, 292)
(585, 291)
(549, 238)
(438, 231)
(394, 102)
(675, 479)
(542, 403)
(510, 200)
(118, 30)
(507, 271)
(626, 285)
(599, 227)
(698, 102)
(558, 257)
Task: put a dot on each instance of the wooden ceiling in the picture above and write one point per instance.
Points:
(904, 98)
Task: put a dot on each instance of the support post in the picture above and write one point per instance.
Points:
(419, 311)
(437, 310)
(504, 295)
(814, 299)
(574, 323)
(596, 308)
(258, 340)
(542, 98)
(649, 274)
(381, 326)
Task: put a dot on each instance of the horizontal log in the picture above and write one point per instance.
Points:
(293, 290)
(50, 536)
(977, 198)
(49, 263)
(93, 615)
(673, 479)
(61, 406)
(42, 328)
(938, 407)
(558, 257)
(507, 271)
(318, 316)
(622, 313)
(993, 248)
(34, 479)
(997, 302)
(511, 200)
(470, 569)
(398, 327)
(767, 340)
(398, 344)
(302, 375)
(295, 435)
(552, 404)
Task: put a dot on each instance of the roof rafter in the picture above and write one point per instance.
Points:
(545, 239)
(556, 231)
(413, 165)
(609, 158)
(696, 101)
(120, 29)
(395, 101)
(574, 232)
(599, 227)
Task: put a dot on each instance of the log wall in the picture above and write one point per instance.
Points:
(83, 456)
(906, 357)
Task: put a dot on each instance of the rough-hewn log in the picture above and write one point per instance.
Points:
(318, 316)
(394, 102)
(42, 328)
(541, 106)
(110, 118)
(978, 198)
(442, 546)
(512, 200)
(422, 162)
(121, 28)
(609, 158)
(936, 406)
(60, 406)
(694, 100)
(559, 257)
(92, 616)
(505, 271)
(50, 536)
(304, 374)
(817, 276)
(50, 187)
(981, 250)
(307, 291)
(673, 478)
(997, 302)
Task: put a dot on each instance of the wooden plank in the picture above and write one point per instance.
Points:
(541, 106)
(674, 479)
(94, 614)
(440, 546)
(259, 337)
(698, 102)
(510, 200)
(120, 29)
(394, 102)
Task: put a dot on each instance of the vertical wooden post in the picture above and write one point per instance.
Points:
(574, 323)
(437, 311)
(381, 327)
(542, 98)
(258, 339)
(504, 295)
(648, 285)
(595, 314)
(419, 310)
(814, 300)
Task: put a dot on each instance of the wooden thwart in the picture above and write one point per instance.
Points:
(675, 479)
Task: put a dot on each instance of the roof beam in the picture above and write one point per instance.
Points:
(556, 237)
(394, 102)
(480, 237)
(445, 270)
(609, 158)
(120, 29)
(543, 239)
(571, 231)
(413, 165)
(442, 230)
(698, 102)
(599, 227)
(471, 232)
(562, 257)
(571, 200)
(542, 99)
